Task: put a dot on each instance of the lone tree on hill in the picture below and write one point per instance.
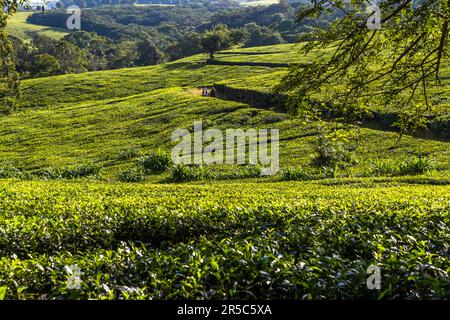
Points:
(221, 38)
(385, 52)
(9, 79)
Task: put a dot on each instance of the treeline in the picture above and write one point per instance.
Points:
(126, 36)
(95, 3)
(119, 22)
(80, 52)
(129, 21)
(98, 3)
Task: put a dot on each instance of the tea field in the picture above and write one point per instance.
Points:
(235, 240)
(103, 131)
(98, 117)
(86, 181)
(19, 27)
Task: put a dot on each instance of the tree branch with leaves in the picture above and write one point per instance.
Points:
(357, 68)
(221, 38)
(9, 79)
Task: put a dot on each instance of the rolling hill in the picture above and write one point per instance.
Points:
(64, 120)
(231, 235)
(20, 28)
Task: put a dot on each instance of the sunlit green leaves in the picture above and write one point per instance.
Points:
(266, 240)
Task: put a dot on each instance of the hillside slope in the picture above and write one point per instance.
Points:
(245, 238)
(93, 117)
(20, 28)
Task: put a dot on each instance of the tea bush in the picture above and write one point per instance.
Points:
(156, 162)
(128, 154)
(184, 173)
(380, 168)
(223, 241)
(10, 172)
(296, 174)
(416, 165)
(135, 174)
(75, 172)
(243, 172)
(331, 153)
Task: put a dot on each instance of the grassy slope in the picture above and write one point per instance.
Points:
(98, 130)
(439, 95)
(67, 120)
(187, 72)
(19, 27)
(313, 240)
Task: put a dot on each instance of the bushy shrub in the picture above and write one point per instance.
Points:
(275, 118)
(91, 169)
(48, 173)
(156, 162)
(330, 153)
(182, 173)
(135, 174)
(223, 241)
(415, 165)
(81, 171)
(10, 172)
(380, 168)
(296, 174)
(329, 172)
(247, 171)
(128, 154)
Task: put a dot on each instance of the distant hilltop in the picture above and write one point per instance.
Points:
(36, 5)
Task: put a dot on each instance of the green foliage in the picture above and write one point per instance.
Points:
(20, 28)
(329, 171)
(9, 78)
(410, 122)
(134, 174)
(92, 117)
(51, 173)
(149, 54)
(249, 171)
(221, 38)
(223, 241)
(2, 292)
(70, 58)
(157, 162)
(209, 239)
(412, 166)
(128, 154)
(9, 172)
(295, 174)
(416, 165)
(353, 72)
(45, 65)
(380, 168)
(8, 8)
(75, 172)
(262, 36)
(331, 152)
(185, 173)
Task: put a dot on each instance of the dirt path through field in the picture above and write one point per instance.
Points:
(195, 91)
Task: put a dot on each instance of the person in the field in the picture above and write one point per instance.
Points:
(213, 93)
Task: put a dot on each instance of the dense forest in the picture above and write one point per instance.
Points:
(126, 35)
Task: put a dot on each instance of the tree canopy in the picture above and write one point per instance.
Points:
(221, 38)
(9, 79)
(359, 66)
